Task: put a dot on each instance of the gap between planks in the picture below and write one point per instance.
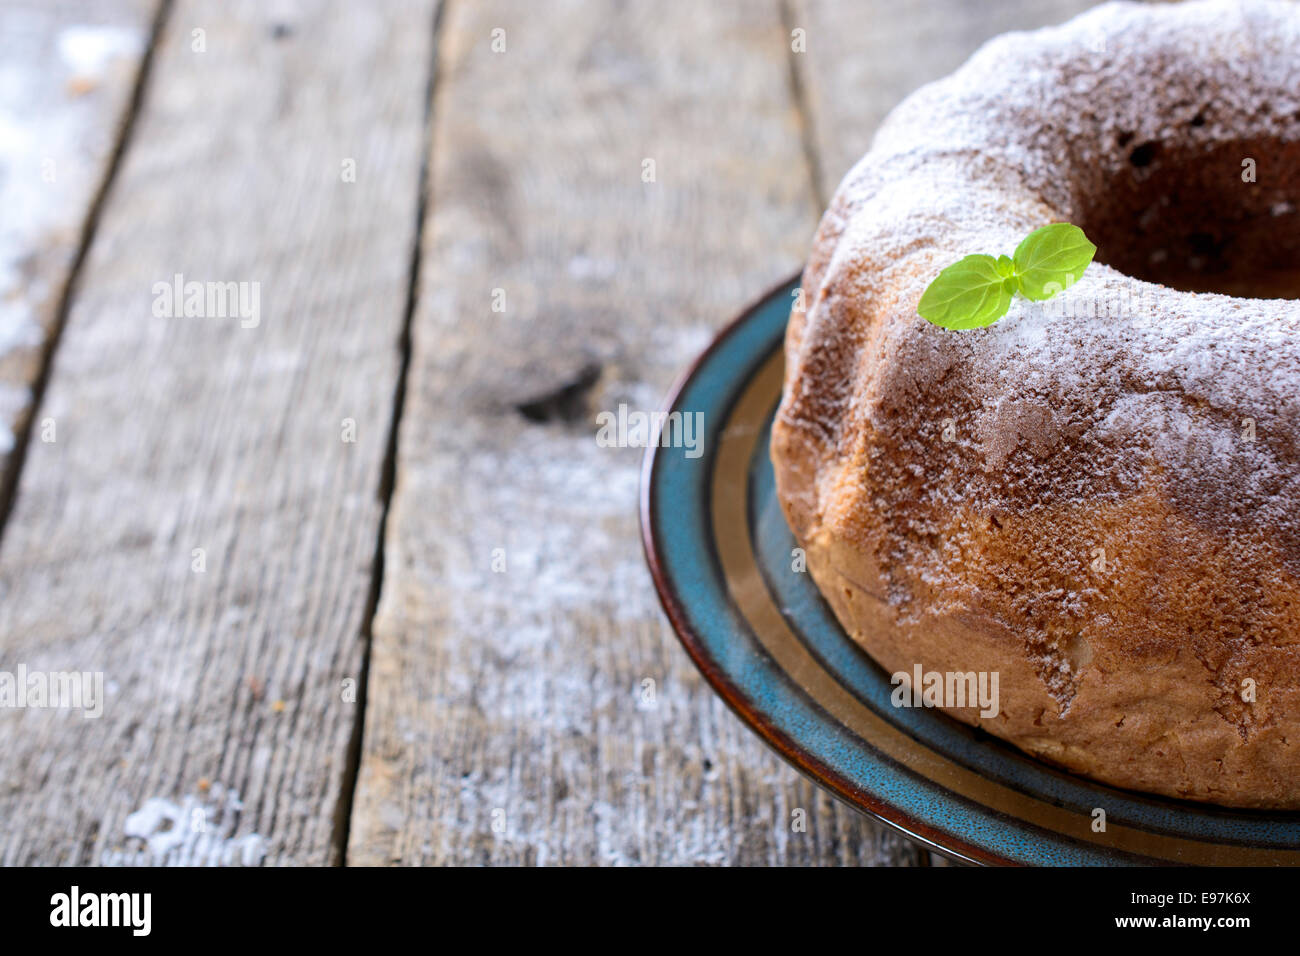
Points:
(799, 96)
(351, 769)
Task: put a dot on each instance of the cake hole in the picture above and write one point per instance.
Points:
(1142, 155)
(1190, 217)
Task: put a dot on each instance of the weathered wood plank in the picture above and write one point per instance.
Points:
(69, 70)
(226, 714)
(862, 57)
(506, 721)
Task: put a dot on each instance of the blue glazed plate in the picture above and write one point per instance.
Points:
(720, 553)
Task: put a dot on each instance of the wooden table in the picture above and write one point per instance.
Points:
(361, 583)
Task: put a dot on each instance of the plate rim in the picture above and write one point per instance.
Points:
(787, 748)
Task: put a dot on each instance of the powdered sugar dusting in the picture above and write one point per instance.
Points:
(1114, 366)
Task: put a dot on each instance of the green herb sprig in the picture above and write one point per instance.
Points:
(977, 291)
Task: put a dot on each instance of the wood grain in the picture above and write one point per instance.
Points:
(864, 56)
(67, 74)
(227, 720)
(508, 719)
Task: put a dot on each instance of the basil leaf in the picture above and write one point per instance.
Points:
(1051, 259)
(969, 294)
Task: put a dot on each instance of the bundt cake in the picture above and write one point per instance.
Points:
(1096, 498)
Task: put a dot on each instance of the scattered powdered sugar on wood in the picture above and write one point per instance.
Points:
(197, 831)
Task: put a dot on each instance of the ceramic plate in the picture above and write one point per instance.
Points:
(721, 556)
